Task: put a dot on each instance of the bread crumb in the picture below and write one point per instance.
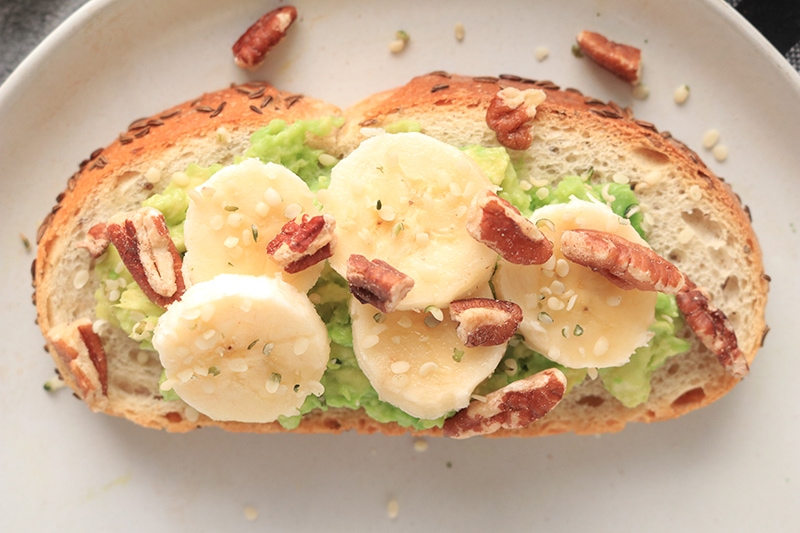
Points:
(392, 509)
(251, 513)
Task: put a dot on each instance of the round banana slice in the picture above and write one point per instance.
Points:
(417, 363)
(571, 314)
(243, 348)
(403, 198)
(232, 217)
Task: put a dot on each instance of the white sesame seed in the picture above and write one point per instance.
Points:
(397, 46)
(525, 185)
(460, 31)
(422, 238)
(404, 322)
(301, 345)
(216, 222)
(641, 92)
(695, 193)
(400, 367)
(428, 368)
(392, 509)
(710, 138)
(614, 301)
(272, 197)
(542, 193)
(153, 175)
(686, 235)
(511, 366)
(555, 304)
(571, 302)
(250, 513)
(386, 213)
(562, 267)
(181, 179)
(81, 279)
(191, 414)
(681, 94)
(420, 445)
(621, 178)
(720, 152)
(327, 160)
(541, 53)
(592, 373)
(235, 220)
(292, 211)
(370, 341)
(114, 295)
(231, 242)
(554, 353)
(600, 347)
(557, 287)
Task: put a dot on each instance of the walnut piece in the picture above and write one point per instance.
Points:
(485, 322)
(510, 115)
(499, 225)
(622, 60)
(377, 282)
(626, 264)
(253, 46)
(96, 241)
(142, 239)
(713, 329)
(514, 406)
(302, 244)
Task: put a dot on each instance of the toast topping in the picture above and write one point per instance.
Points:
(500, 226)
(96, 240)
(301, 245)
(510, 115)
(626, 264)
(81, 349)
(377, 282)
(622, 60)
(254, 45)
(145, 246)
(514, 406)
(485, 321)
(713, 329)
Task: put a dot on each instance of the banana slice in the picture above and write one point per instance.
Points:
(571, 314)
(417, 365)
(243, 348)
(403, 198)
(232, 217)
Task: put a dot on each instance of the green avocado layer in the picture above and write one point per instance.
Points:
(345, 384)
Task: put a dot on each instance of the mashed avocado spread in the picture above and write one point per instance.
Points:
(123, 304)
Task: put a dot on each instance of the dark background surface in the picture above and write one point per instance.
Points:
(24, 23)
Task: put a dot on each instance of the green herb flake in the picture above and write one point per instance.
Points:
(231, 208)
(254, 229)
(457, 355)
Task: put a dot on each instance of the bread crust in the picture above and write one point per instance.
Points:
(672, 183)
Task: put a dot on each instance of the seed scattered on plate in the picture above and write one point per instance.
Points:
(641, 92)
(710, 139)
(681, 94)
(720, 152)
(392, 509)
(460, 32)
(541, 53)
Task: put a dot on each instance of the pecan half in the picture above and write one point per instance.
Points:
(485, 322)
(626, 264)
(510, 115)
(81, 350)
(713, 329)
(96, 241)
(499, 225)
(142, 239)
(622, 60)
(253, 46)
(302, 244)
(377, 282)
(514, 406)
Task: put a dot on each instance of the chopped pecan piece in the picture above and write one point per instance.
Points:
(145, 246)
(485, 322)
(713, 329)
(301, 245)
(499, 225)
(622, 60)
(254, 45)
(81, 350)
(626, 264)
(510, 115)
(377, 282)
(96, 241)
(514, 406)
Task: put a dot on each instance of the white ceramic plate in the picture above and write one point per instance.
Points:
(732, 466)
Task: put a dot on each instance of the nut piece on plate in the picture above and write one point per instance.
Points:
(496, 223)
(514, 406)
(253, 46)
(142, 239)
(624, 263)
(510, 115)
(377, 282)
(301, 245)
(484, 321)
(81, 350)
(622, 60)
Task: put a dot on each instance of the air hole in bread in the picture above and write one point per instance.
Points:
(650, 158)
(591, 401)
(707, 230)
(689, 397)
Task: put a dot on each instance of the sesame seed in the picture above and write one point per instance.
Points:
(392, 509)
(681, 94)
(428, 368)
(571, 302)
(511, 366)
(541, 53)
(370, 341)
(641, 92)
(557, 287)
(420, 445)
(555, 304)
(235, 220)
(554, 353)
(422, 238)
(327, 160)
(272, 197)
(397, 46)
(685, 235)
(400, 367)
(231, 242)
(301, 345)
(621, 178)
(114, 295)
(592, 373)
(404, 322)
(153, 175)
(614, 301)
(81, 279)
(216, 222)
(600, 347)
(460, 31)
(562, 268)
(292, 211)
(710, 138)
(720, 152)
(250, 513)
(542, 193)
(262, 209)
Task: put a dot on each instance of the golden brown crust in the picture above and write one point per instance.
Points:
(452, 108)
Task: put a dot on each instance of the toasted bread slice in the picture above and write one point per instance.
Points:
(692, 216)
